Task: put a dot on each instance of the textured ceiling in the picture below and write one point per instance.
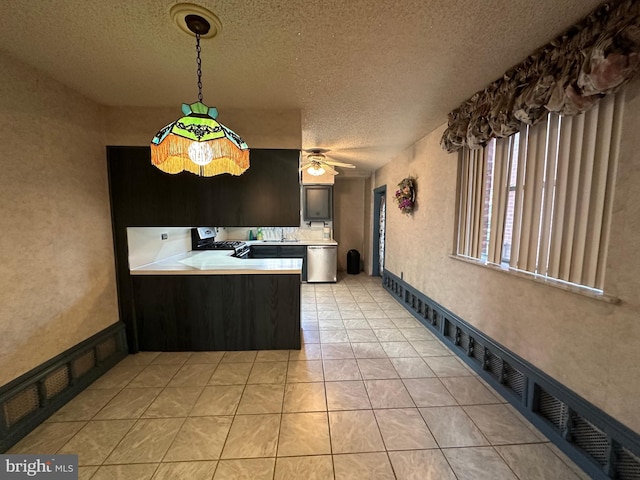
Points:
(369, 77)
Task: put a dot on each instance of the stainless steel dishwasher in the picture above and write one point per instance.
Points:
(322, 263)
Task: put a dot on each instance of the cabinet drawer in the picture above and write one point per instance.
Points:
(293, 251)
(265, 251)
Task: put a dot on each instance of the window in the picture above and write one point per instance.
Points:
(540, 200)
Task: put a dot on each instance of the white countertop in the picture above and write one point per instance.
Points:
(290, 242)
(219, 262)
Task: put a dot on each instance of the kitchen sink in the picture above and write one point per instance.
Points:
(279, 241)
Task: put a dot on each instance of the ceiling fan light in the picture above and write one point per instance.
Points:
(316, 170)
(319, 165)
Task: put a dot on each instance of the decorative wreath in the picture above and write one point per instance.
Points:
(406, 195)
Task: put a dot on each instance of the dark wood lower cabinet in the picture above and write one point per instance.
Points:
(217, 312)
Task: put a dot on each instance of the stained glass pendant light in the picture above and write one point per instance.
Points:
(197, 143)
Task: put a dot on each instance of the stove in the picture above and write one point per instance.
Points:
(204, 238)
(213, 245)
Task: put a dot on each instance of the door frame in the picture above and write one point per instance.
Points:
(377, 194)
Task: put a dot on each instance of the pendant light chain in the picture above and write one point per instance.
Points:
(199, 70)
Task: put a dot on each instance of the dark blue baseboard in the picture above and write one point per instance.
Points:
(30, 399)
(602, 446)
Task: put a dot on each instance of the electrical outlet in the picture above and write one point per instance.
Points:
(164, 236)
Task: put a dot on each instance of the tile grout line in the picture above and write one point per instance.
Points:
(137, 420)
(188, 415)
(235, 414)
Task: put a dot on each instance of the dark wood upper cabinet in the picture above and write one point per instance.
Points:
(142, 195)
(267, 194)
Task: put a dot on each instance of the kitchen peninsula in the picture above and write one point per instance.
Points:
(180, 311)
(209, 300)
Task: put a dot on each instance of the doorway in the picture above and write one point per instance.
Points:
(379, 221)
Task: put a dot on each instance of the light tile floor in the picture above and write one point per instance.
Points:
(371, 395)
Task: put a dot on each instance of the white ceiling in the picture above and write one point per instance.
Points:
(369, 77)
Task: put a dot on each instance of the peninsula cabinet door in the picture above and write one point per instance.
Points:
(217, 312)
(173, 314)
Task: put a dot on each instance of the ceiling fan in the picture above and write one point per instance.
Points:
(316, 163)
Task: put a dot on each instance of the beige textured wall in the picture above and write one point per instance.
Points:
(57, 280)
(349, 215)
(590, 346)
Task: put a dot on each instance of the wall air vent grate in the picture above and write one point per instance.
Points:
(21, 405)
(397, 289)
(590, 439)
(436, 319)
(552, 409)
(106, 349)
(628, 464)
(494, 365)
(464, 341)
(419, 308)
(84, 363)
(478, 352)
(56, 382)
(413, 301)
(515, 380)
(449, 330)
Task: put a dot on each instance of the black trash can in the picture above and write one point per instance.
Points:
(353, 262)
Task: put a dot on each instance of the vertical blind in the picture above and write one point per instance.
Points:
(540, 200)
(472, 174)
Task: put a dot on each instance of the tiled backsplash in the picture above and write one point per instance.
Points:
(146, 244)
(313, 232)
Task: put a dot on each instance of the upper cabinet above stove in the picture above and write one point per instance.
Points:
(267, 194)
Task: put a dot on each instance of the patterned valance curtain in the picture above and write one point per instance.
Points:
(568, 76)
